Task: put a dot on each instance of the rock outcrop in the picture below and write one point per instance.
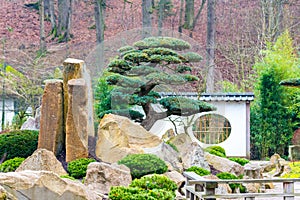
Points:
(101, 176)
(167, 154)
(42, 160)
(223, 164)
(118, 137)
(191, 153)
(51, 134)
(44, 185)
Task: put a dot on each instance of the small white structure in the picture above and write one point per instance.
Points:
(228, 126)
(9, 110)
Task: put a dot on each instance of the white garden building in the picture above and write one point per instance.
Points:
(228, 126)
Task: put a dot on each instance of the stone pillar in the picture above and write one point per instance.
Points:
(51, 136)
(77, 126)
(72, 70)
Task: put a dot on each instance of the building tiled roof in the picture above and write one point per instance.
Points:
(248, 96)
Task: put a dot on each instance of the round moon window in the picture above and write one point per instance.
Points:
(211, 129)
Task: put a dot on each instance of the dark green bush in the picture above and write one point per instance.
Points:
(11, 165)
(216, 150)
(77, 168)
(21, 143)
(129, 193)
(143, 164)
(241, 161)
(155, 182)
(233, 186)
(198, 170)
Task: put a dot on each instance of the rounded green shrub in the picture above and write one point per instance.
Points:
(133, 193)
(216, 150)
(233, 186)
(20, 143)
(154, 182)
(77, 168)
(11, 165)
(241, 161)
(143, 164)
(198, 170)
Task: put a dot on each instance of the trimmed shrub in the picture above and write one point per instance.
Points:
(20, 143)
(216, 150)
(77, 168)
(11, 165)
(241, 161)
(198, 170)
(129, 193)
(143, 164)
(154, 182)
(233, 186)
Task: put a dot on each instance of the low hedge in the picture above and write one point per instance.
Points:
(11, 165)
(77, 168)
(20, 143)
(143, 164)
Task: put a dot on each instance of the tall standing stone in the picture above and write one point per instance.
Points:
(76, 69)
(51, 136)
(77, 120)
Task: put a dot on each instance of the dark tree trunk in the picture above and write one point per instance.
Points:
(189, 14)
(99, 19)
(210, 45)
(147, 17)
(64, 19)
(161, 6)
(180, 16)
(151, 116)
(52, 17)
(42, 27)
(197, 18)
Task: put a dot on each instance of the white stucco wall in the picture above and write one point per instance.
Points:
(9, 112)
(235, 112)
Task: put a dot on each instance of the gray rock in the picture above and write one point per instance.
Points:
(100, 177)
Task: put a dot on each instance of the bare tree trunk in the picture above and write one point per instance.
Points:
(99, 19)
(42, 27)
(197, 17)
(180, 16)
(189, 14)
(147, 8)
(64, 19)
(161, 5)
(52, 17)
(210, 45)
(47, 8)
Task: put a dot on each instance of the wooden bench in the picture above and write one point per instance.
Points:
(199, 188)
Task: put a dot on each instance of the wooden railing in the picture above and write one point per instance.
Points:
(200, 188)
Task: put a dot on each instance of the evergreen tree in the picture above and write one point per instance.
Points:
(140, 69)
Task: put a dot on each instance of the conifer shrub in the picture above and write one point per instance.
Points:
(154, 182)
(233, 186)
(241, 161)
(155, 187)
(143, 164)
(198, 170)
(216, 150)
(19, 143)
(129, 193)
(77, 168)
(11, 165)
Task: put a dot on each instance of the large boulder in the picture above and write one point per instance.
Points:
(223, 164)
(42, 159)
(178, 178)
(118, 137)
(222, 188)
(168, 154)
(280, 165)
(253, 171)
(101, 176)
(44, 185)
(191, 153)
